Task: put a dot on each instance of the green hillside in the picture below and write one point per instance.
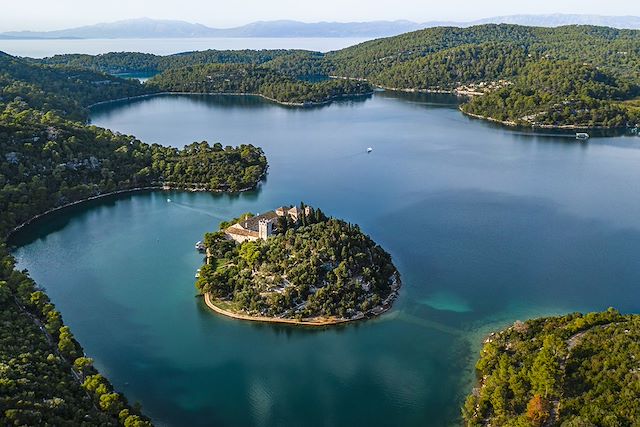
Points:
(574, 370)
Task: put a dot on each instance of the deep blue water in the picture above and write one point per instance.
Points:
(487, 225)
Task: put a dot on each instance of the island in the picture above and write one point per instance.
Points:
(299, 266)
(573, 370)
(296, 265)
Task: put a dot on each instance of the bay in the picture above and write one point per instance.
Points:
(487, 225)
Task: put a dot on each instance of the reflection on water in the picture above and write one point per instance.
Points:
(487, 225)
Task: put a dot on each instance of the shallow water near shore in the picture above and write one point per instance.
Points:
(487, 225)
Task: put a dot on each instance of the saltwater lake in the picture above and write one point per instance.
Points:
(44, 48)
(487, 225)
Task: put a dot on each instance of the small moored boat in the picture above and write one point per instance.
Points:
(200, 246)
(369, 149)
(582, 136)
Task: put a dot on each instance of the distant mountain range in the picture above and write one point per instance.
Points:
(153, 28)
(557, 20)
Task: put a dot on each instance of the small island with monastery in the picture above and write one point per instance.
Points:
(295, 265)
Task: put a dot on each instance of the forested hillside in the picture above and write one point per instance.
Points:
(575, 76)
(553, 93)
(45, 378)
(61, 90)
(49, 161)
(370, 58)
(315, 267)
(260, 80)
(616, 50)
(448, 69)
(123, 62)
(497, 59)
(574, 370)
(51, 158)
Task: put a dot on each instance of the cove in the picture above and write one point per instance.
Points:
(487, 225)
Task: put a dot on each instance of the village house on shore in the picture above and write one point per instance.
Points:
(260, 227)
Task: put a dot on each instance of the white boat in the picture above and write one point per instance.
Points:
(369, 149)
(200, 246)
(198, 273)
(582, 135)
(168, 200)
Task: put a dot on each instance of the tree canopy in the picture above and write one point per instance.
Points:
(49, 158)
(573, 370)
(313, 267)
(532, 76)
(258, 80)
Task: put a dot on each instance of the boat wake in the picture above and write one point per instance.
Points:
(196, 209)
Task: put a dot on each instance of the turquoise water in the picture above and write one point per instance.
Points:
(486, 225)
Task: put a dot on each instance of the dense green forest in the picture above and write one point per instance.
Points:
(613, 49)
(260, 80)
(576, 76)
(552, 93)
(125, 62)
(616, 51)
(61, 90)
(45, 378)
(315, 267)
(50, 157)
(524, 69)
(448, 69)
(574, 370)
(49, 161)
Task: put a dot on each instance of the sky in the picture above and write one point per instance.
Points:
(58, 14)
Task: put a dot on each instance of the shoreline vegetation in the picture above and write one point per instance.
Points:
(572, 370)
(294, 265)
(534, 373)
(513, 124)
(162, 187)
(208, 300)
(572, 77)
(53, 160)
(270, 84)
(289, 104)
(317, 321)
(460, 93)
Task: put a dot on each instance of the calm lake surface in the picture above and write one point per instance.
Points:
(486, 225)
(44, 48)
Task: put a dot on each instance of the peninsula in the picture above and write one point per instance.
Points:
(52, 158)
(243, 79)
(570, 77)
(296, 265)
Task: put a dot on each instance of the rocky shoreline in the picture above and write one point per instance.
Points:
(316, 321)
